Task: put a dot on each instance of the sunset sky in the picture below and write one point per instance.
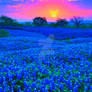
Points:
(51, 9)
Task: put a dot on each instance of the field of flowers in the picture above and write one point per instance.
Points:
(32, 62)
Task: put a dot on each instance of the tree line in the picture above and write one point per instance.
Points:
(42, 21)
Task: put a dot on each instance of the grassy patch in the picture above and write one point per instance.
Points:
(4, 33)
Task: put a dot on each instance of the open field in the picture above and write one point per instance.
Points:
(58, 33)
(46, 60)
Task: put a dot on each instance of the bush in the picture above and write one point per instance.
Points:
(89, 25)
(61, 22)
(4, 33)
(4, 20)
(77, 21)
(39, 21)
(83, 26)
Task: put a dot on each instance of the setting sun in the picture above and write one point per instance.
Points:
(54, 13)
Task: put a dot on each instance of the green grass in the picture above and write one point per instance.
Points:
(4, 33)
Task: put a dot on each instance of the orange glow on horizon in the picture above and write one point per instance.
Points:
(50, 10)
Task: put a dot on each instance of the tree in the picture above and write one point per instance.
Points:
(61, 22)
(39, 21)
(4, 20)
(77, 21)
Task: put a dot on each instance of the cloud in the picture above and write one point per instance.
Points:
(31, 9)
(11, 2)
(11, 6)
(85, 4)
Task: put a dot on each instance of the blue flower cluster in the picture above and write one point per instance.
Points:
(68, 69)
(53, 73)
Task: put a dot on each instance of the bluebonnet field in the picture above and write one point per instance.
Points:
(46, 60)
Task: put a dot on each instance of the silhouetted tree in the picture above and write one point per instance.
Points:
(61, 22)
(77, 21)
(4, 20)
(39, 21)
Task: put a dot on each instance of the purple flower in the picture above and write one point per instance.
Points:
(61, 86)
(85, 88)
(27, 89)
(26, 84)
(13, 83)
(46, 90)
(19, 76)
(75, 89)
(50, 88)
(12, 90)
(90, 87)
(1, 89)
(5, 84)
(33, 85)
(42, 88)
(86, 80)
(80, 80)
(19, 89)
(1, 79)
(70, 85)
(62, 79)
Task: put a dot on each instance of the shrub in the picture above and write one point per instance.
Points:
(4, 33)
(89, 25)
(4, 20)
(39, 21)
(61, 22)
(77, 21)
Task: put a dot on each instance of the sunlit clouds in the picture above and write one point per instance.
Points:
(51, 9)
